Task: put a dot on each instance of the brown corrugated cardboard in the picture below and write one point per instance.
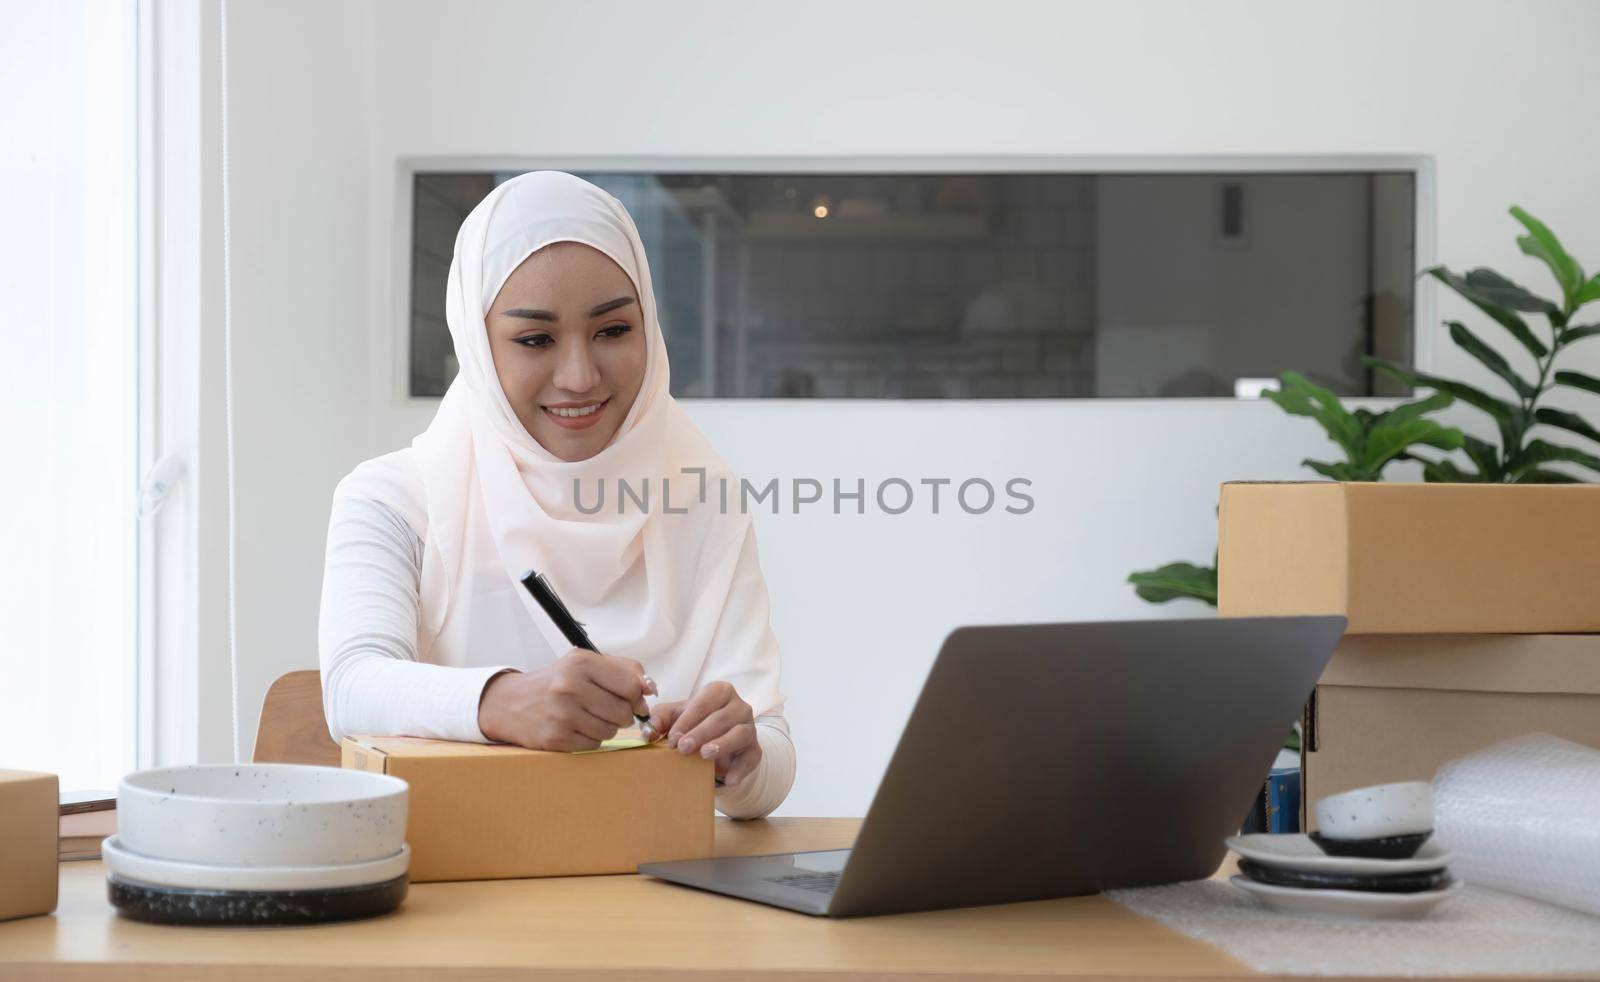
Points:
(29, 811)
(1396, 707)
(1413, 558)
(479, 812)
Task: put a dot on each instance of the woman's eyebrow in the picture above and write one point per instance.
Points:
(545, 315)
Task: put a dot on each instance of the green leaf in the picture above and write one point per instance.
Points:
(1485, 456)
(1340, 472)
(1445, 472)
(1490, 286)
(1498, 408)
(1577, 333)
(1298, 396)
(1491, 359)
(1448, 438)
(1391, 434)
(1541, 476)
(1422, 407)
(1387, 441)
(1571, 422)
(1539, 452)
(1587, 293)
(1542, 244)
(1507, 417)
(1176, 581)
(1498, 298)
(1578, 380)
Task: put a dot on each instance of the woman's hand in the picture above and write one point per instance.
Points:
(573, 704)
(718, 724)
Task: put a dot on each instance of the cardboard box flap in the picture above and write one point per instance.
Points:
(1528, 663)
(422, 747)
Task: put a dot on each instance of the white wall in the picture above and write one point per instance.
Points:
(860, 603)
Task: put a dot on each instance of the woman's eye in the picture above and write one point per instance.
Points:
(615, 330)
(535, 341)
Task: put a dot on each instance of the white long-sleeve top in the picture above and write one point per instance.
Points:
(374, 683)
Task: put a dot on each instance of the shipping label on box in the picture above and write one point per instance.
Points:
(493, 811)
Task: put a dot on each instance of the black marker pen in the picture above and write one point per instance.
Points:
(570, 629)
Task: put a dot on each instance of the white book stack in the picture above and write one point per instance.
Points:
(87, 817)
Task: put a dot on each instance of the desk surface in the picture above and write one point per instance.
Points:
(612, 927)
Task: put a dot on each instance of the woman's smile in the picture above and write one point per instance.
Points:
(576, 415)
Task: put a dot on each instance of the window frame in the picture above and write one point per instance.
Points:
(396, 383)
(181, 568)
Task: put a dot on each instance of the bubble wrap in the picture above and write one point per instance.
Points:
(1524, 816)
(1520, 816)
(1477, 932)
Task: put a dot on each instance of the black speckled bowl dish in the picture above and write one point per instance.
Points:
(182, 905)
(1317, 880)
(1384, 847)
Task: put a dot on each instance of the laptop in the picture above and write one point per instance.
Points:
(1053, 760)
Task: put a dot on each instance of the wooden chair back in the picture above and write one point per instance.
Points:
(293, 729)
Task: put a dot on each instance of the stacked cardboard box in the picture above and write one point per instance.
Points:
(1474, 615)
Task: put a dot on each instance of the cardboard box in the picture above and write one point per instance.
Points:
(30, 807)
(1413, 558)
(479, 812)
(1397, 707)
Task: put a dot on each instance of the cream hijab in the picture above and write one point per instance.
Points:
(651, 585)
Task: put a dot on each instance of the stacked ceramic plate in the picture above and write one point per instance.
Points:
(257, 844)
(1371, 858)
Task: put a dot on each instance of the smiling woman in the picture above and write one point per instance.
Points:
(570, 367)
(563, 383)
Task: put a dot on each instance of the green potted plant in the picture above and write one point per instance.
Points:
(1372, 441)
(1523, 455)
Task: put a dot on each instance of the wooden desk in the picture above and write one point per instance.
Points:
(628, 928)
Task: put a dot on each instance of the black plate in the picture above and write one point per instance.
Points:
(1385, 847)
(1308, 880)
(182, 905)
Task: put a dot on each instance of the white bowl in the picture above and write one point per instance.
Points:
(206, 876)
(1381, 810)
(262, 815)
(1297, 852)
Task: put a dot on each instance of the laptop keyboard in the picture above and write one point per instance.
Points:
(815, 882)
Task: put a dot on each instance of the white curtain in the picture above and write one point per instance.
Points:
(68, 374)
